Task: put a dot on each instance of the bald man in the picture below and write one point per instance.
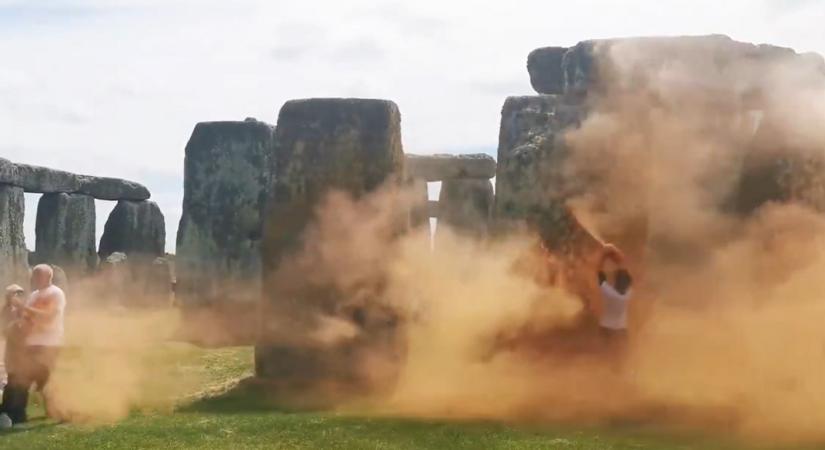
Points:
(43, 313)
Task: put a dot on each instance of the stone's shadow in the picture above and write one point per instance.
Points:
(255, 395)
(665, 423)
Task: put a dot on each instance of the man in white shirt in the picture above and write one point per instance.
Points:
(43, 313)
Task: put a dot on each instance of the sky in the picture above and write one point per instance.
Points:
(114, 88)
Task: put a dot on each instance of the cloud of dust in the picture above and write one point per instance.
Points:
(115, 360)
(725, 323)
(735, 285)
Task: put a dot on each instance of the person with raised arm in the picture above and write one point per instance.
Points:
(615, 288)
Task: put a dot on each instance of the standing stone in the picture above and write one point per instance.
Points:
(530, 183)
(349, 145)
(531, 151)
(466, 206)
(227, 175)
(65, 232)
(134, 228)
(13, 253)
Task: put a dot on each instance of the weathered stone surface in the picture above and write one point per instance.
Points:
(351, 145)
(530, 152)
(449, 167)
(105, 188)
(544, 66)
(530, 185)
(226, 180)
(581, 67)
(466, 206)
(116, 259)
(65, 232)
(135, 228)
(780, 167)
(45, 180)
(13, 253)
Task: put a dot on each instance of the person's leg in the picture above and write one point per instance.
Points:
(8, 393)
(26, 376)
(16, 397)
(47, 360)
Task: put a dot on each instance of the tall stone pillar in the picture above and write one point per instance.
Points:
(13, 253)
(227, 176)
(324, 145)
(136, 228)
(65, 233)
(530, 184)
(466, 206)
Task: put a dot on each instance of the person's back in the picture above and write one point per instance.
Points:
(615, 300)
(614, 287)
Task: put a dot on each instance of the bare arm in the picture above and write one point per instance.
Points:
(610, 251)
(42, 313)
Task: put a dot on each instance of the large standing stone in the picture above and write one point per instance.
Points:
(13, 253)
(530, 153)
(226, 180)
(65, 232)
(136, 229)
(351, 145)
(466, 206)
(530, 183)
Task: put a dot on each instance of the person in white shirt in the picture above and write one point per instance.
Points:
(43, 316)
(615, 288)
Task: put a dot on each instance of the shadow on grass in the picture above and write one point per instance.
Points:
(666, 425)
(257, 395)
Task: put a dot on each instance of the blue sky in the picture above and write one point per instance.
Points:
(115, 87)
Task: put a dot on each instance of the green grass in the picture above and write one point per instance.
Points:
(217, 413)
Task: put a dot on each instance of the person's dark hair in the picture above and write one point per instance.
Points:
(623, 281)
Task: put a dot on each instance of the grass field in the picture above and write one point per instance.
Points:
(218, 413)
